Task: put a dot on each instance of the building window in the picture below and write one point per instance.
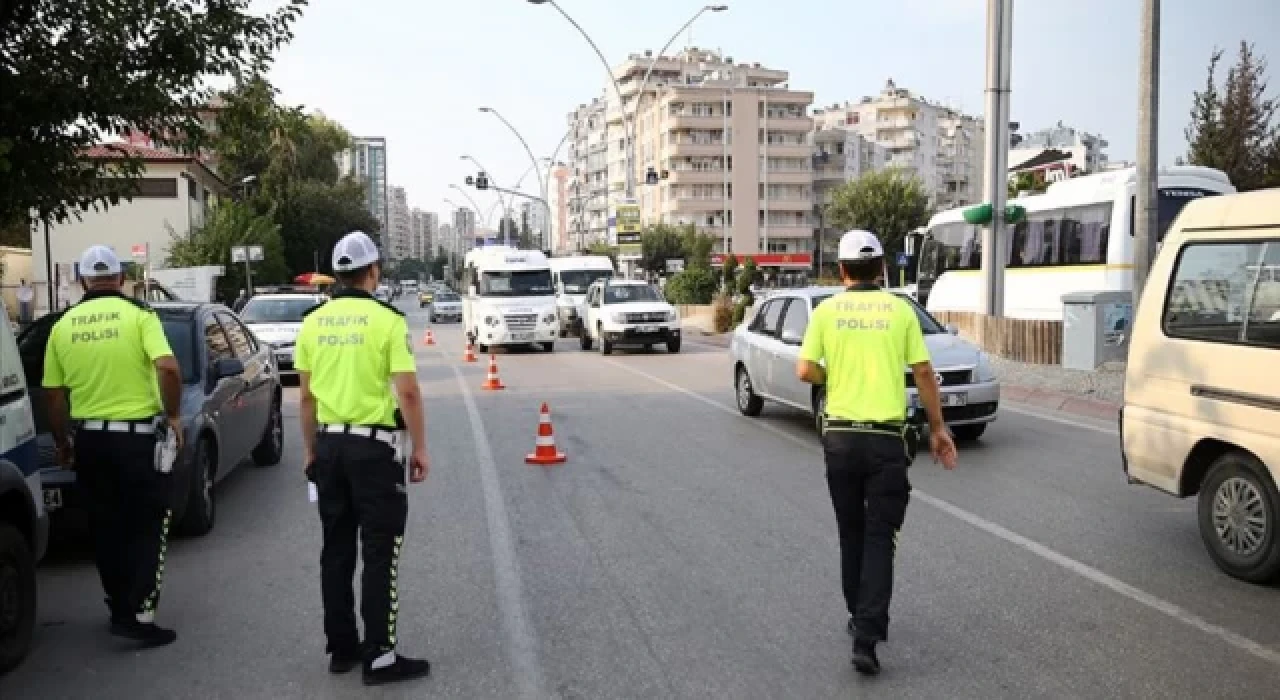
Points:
(156, 188)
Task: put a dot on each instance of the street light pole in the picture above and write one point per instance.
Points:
(1146, 222)
(999, 55)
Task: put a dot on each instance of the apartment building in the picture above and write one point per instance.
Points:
(936, 143)
(698, 114)
(533, 215)
(560, 241)
(446, 240)
(1081, 150)
(464, 229)
(422, 225)
(396, 238)
(588, 183)
(366, 160)
(839, 156)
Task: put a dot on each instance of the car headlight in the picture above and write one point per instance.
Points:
(549, 318)
(984, 372)
(673, 316)
(618, 318)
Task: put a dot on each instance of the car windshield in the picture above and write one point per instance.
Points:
(928, 325)
(178, 331)
(447, 296)
(524, 283)
(577, 281)
(268, 310)
(622, 294)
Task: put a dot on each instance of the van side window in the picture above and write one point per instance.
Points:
(1223, 292)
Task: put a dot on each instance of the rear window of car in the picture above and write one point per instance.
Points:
(178, 331)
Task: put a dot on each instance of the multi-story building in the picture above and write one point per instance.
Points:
(935, 143)
(396, 237)
(1082, 151)
(588, 185)
(699, 112)
(558, 200)
(367, 161)
(533, 214)
(422, 226)
(839, 156)
(464, 229)
(445, 239)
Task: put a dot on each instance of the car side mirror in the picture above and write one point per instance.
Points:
(791, 337)
(953, 329)
(227, 367)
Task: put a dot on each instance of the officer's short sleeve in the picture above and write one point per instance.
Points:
(915, 348)
(400, 347)
(812, 349)
(302, 347)
(154, 342)
(54, 377)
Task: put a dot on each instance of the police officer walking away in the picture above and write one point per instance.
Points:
(350, 352)
(105, 355)
(866, 336)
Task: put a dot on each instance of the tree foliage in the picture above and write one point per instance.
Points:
(230, 224)
(658, 244)
(72, 73)
(1027, 182)
(600, 248)
(1235, 129)
(730, 272)
(692, 285)
(885, 202)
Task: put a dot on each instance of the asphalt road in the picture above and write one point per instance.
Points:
(684, 551)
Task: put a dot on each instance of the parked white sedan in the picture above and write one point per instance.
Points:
(766, 346)
(276, 320)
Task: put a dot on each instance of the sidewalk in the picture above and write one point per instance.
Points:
(1095, 395)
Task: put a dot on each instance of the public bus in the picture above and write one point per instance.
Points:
(1077, 236)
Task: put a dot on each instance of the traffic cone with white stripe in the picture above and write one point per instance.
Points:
(428, 339)
(470, 355)
(544, 450)
(491, 382)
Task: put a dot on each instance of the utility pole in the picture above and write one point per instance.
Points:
(1146, 214)
(996, 177)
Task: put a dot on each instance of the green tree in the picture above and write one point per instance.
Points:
(231, 224)
(1235, 130)
(697, 247)
(885, 202)
(659, 243)
(601, 248)
(313, 215)
(692, 285)
(730, 272)
(76, 71)
(1027, 182)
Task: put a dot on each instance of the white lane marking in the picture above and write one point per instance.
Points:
(1004, 406)
(1137, 595)
(522, 644)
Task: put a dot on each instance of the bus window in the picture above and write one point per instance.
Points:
(1170, 204)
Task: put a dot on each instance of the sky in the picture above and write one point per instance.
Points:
(416, 71)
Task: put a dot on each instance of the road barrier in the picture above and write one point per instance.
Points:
(544, 446)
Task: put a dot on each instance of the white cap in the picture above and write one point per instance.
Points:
(859, 245)
(354, 251)
(99, 261)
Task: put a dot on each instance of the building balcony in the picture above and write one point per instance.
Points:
(790, 150)
(828, 173)
(789, 203)
(693, 177)
(778, 231)
(796, 124)
(689, 121)
(789, 177)
(695, 204)
(690, 148)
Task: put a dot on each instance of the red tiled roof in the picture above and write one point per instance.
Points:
(108, 151)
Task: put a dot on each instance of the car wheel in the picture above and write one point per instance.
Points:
(201, 506)
(749, 403)
(18, 597)
(606, 348)
(819, 408)
(673, 345)
(968, 433)
(271, 448)
(549, 346)
(1238, 510)
(584, 338)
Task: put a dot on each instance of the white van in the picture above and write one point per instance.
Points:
(1201, 411)
(508, 298)
(24, 523)
(571, 276)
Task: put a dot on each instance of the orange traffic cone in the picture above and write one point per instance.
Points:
(544, 450)
(470, 356)
(428, 339)
(491, 382)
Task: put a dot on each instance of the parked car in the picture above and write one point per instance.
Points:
(446, 306)
(231, 408)
(426, 296)
(1201, 391)
(765, 348)
(276, 320)
(24, 524)
(619, 312)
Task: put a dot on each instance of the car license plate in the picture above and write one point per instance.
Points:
(646, 329)
(285, 359)
(52, 499)
(951, 400)
(522, 337)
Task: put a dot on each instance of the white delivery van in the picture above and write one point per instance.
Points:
(1201, 414)
(508, 299)
(571, 276)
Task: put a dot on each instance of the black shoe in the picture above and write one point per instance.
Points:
(402, 669)
(343, 662)
(864, 658)
(148, 633)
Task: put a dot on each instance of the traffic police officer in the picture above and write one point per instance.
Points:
(349, 351)
(108, 355)
(864, 338)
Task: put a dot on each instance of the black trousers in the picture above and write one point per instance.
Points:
(867, 477)
(129, 509)
(362, 495)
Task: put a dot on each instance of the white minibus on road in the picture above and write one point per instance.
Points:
(508, 298)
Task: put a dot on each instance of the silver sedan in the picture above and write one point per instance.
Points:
(766, 346)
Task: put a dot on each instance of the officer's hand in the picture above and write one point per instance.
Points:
(943, 448)
(418, 466)
(66, 456)
(175, 425)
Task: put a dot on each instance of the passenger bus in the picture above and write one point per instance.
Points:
(1077, 236)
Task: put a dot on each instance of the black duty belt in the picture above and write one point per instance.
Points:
(854, 426)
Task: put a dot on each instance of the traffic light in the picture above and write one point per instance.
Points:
(482, 181)
(980, 215)
(651, 177)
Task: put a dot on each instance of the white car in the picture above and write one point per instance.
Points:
(766, 346)
(276, 320)
(445, 305)
(618, 312)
